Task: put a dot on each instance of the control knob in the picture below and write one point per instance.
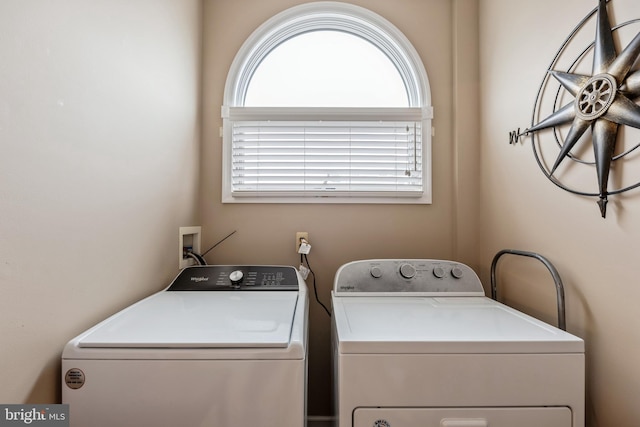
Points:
(407, 271)
(236, 277)
(376, 272)
(457, 272)
(438, 272)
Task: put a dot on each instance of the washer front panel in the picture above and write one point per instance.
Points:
(190, 393)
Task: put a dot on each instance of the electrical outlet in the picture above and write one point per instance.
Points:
(188, 237)
(301, 235)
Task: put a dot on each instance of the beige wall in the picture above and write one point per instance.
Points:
(98, 168)
(342, 233)
(597, 258)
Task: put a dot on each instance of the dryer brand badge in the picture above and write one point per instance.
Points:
(381, 423)
(199, 279)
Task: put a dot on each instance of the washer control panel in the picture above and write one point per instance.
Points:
(414, 276)
(236, 278)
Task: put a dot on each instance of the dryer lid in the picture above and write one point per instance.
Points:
(424, 325)
(199, 320)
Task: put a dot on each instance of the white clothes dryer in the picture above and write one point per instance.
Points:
(416, 343)
(221, 346)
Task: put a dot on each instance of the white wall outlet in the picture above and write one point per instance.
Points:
(188, 239)
(301, 235)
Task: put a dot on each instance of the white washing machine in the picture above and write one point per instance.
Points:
(221, 346)
(416, 343)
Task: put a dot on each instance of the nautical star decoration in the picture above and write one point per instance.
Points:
(605, 101)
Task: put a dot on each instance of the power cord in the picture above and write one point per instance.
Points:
(303, 258)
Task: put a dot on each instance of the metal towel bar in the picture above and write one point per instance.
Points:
(556, 278)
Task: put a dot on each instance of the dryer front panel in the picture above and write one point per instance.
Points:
(463, 417)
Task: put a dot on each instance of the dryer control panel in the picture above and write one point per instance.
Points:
(412, 276)
(236, 278)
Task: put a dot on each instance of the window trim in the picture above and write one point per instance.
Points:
(327, 15)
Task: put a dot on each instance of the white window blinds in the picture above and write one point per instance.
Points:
(350, 122)
(324, 158)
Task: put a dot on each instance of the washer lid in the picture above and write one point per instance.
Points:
(425, 325)
(199, 320)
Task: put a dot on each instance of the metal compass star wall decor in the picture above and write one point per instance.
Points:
(604, 103)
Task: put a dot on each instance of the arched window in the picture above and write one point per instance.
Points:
(327, 102)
